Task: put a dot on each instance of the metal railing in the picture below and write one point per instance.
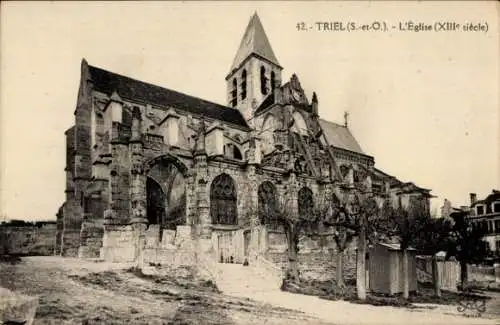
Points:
(270, 269)
(208, 264)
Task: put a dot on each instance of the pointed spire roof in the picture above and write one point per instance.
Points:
(254, 41)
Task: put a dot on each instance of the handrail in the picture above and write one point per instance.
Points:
(272, 269)
(209, 264)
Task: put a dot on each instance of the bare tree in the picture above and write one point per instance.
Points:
(358, 215)
(410, 223)
(335, 216)
(466, 243)
(283, 214)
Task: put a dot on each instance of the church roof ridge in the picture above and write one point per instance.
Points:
(340, 136)
(254, 42)
(331, 122)
(126, 87)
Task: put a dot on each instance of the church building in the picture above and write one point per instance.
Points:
(165, 177)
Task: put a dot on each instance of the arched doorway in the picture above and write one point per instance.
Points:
(166, 194)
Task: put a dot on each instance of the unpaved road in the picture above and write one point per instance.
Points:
(82, 292)
(240, 283)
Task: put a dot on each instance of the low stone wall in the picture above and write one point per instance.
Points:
(482, 273)
(317, 257)
(91, 239)
(169, 247)
(28, 240)
(168, 257)
(119, 244)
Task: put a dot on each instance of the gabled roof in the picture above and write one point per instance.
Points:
(492, 197)
(254, 41)
(339, 136)
(127, 88)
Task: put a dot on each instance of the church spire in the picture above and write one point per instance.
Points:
(254, 42)
(255, 73)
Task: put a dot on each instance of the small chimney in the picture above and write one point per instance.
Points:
(473, 198)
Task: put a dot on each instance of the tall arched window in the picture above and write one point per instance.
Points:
(234, 93)
(244, 84)
(263, 81)
(273, 81)
(306, 204)
(223, 208)
(267, 203)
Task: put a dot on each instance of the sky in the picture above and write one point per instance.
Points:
(424, 104)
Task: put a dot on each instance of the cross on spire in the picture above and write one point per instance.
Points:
(346, 118)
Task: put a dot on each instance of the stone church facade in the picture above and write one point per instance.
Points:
(164, 177)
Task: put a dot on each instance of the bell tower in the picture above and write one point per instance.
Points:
(255, 71)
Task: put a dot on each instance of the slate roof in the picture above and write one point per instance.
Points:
(107, 82)
(494, 196)
(254, 41)
(339, 136)
(394, 246)
(268, 101)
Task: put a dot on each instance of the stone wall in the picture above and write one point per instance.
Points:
(119, 244)
(28, 240)
(317, 257)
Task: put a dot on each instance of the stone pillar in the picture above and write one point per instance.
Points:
(78, 165)
(252, 204)
(201, 186)
(190, 199)
(202, 196)
(291, 196)
(59, 230)
(118, 240)
(202, 190)
(91, 236)
(137, 187)
(73, 218)
(92, 230)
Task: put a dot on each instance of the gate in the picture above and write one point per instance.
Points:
(233, 246)
(230, 246)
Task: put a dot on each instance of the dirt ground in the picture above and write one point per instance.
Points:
(73, 291)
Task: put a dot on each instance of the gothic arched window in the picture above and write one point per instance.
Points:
(244, 84)
(267, 203)
(223, 208)
(263, 81)
(306, 204)
(273, 81)
(234, 93)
